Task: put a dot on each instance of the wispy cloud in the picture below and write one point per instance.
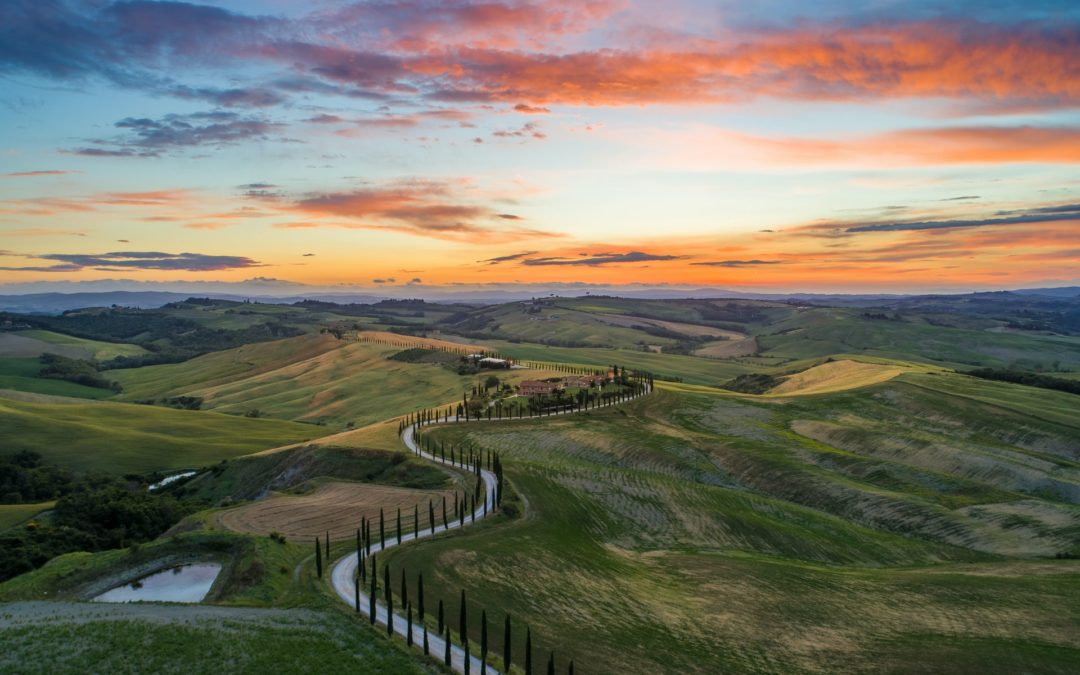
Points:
(600, 259)
(137, 260)
(736, 263)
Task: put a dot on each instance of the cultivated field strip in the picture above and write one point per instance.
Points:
(333, 507)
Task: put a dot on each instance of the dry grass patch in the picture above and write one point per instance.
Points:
(334, 507)
(835, 376)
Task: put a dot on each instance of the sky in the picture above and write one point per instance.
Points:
(835, 146)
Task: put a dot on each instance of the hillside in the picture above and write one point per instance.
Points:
(119, 438)
(803, 519)
(313, 378)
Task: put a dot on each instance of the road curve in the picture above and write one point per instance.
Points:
(343, 575)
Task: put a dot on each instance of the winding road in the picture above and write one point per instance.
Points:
(343, 575)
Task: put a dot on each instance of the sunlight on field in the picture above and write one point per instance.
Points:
(835, 376)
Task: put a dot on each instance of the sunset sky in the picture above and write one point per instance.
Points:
(840, 145)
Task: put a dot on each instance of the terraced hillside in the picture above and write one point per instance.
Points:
(865, 530)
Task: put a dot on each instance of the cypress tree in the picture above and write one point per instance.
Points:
(318, 557)
(423, 627)
(356, 587)
(420, 596)
(416, 521)
(389, 601)
(431, 515)
(570, 671)
(404, 589)
(528, 651)
(551, 664)
(463, 624)
(483, 640)
(444, 523)
(328, 546)
(371, 598)
(446, 657)
(399, 525)
(408, 630)
(468, 661)
(382, 529)
(441, 622)
(506, 645)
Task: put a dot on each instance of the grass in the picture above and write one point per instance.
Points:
(119, 438)
(20, 374)
(308, 630)
(701, 533)
(825, 332)
(313, 378)
(331, 507)
(13, 514)
(692, 369)
(835, 376)
(96, 349)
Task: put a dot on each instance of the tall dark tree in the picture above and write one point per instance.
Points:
(404, 588)
(551, 664)
(318, 557)
(483, 639)
(356, 587)
(570, 670)
(374, 590)
(506, 645)
(399, 525)
(389, 601)
(328, 546)
(463, 622)
(416, 521)
(444, 523)
(408, 626)
(446, 657)
(431, 515)
(382, 529)
(528, 651)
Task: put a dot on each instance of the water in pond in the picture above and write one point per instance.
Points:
(187, 583)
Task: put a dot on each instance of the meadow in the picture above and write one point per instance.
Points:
(119, 438)
(704, 533)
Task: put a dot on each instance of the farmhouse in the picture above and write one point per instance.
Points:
(584, 381)
(535, 387)
(491, 362)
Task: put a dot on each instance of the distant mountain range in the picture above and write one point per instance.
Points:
(55, 303)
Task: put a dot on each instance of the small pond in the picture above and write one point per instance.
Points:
(186, 583)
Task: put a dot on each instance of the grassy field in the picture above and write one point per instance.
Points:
(13, 514)
(713, 533)
(94, 349)
(307, 630)
(332, 506)
(119, 438)
(823, 332)
(315, 378)
(20, 374)
(835, 376)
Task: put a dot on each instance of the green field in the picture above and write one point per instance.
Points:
(825, 331)
(308, 631)
(315, 378)
(95, 349)
(840, 532)
(13, 514)
(119, 438)
(21, 375)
